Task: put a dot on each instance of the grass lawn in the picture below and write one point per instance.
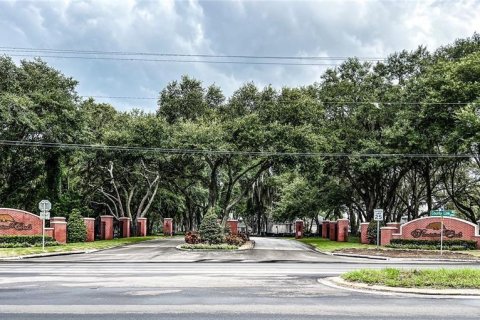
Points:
(428, 278)
(328, 245)
(96, 245)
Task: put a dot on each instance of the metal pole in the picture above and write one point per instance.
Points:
(378, 234)
(441, 235)
(43, 234)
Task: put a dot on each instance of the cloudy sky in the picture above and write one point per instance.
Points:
(337, 28)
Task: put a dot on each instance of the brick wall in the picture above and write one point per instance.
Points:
(18, 222)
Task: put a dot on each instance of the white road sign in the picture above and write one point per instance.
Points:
(45, 215)
(45, 205)
(378, 214)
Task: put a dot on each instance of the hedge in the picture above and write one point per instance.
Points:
(28, 245)
(32, 240)
(433, 244)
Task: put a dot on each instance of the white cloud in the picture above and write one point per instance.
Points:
(303, 28)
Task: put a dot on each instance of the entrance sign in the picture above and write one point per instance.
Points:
(378, 216)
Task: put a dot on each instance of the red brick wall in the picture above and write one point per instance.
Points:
(141, 227)
(59, 230)
(428, 228)
(125, 225)
(342, 228)
(364, 232)
(333, 230)
(386, 235)
(18, 222)
(106, 227)
(298, 229)
(168, 227)
(233, 226)
(325, 228)
(90, 225)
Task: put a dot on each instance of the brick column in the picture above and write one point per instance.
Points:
(386, 235)
(141, 227)
(168, 227)
(333, 230)
(395, 225)
(364, 232)
(59, 226)
(90, 226)
(106, 227)
(325, 228)
(233, 226)
(298, 229)
(125, 226)
(342, 235)
(49, 232)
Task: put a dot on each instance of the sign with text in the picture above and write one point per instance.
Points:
(378, 214)
(442, 213)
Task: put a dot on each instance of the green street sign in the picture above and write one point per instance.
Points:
(442, 213)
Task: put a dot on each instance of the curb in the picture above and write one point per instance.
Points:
(337, 281)
(403, 259)
(249, 245)
(50, 254)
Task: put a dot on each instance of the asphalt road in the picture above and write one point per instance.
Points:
(126, 289)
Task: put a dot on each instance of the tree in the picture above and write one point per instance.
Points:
(76, 229)
(210, 231)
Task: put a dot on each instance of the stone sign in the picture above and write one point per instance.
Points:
(18, 222)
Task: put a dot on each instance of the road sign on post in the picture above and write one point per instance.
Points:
(45, 206)
(378, 216)
(442, 213)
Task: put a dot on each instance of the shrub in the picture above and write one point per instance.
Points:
(210, 231)
(31, 240)
(244, 236)
(192, 237)
(204, 246)
(76, 229)
(28, 245)
(433, 244)
(235, 240)
(372, 231)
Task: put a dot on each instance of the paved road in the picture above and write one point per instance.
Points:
(164, 250)
(115, 284)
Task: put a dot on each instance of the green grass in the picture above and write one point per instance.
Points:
(328, 245)
(203, 246)
(427, 278)
(79, 246)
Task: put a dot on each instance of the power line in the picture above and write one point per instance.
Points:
(226, 152)
(177, 60)
(133, 53)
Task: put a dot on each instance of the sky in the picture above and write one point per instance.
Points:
(362, 28)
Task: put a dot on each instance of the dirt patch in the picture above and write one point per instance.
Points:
(416, 254)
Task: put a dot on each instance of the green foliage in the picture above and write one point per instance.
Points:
(210, 231)
(28, 245)
(433, 244)
(372, 231)
(31, 240)
(76, 229)
(425, 278)
(205, 246)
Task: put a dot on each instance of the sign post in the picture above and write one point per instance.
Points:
(45, 206)
(442, 213)
(378, 216)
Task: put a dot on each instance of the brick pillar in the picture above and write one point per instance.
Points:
(386, 235)
(342, 227)
(168, 227)
(90, 226)
(233, 226)
(106, 227)
(395, 225)
(141, 227)
(49, 232)
(364, 232)
(125, 226)
(298, 229)
(59, 226)
(333, 230)
(325, 228)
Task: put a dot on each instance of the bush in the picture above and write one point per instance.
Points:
(372, 231)
(192, 237)
(204, 246)
(76, 229)
(433, 244)
(235, 240)
(28, 245)
(244, 236)
(210, 231)
(30, 240)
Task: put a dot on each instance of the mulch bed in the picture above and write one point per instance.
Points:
(401, 253)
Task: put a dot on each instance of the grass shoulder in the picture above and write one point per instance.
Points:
(78, 246)
(425, 278)
(327, 245)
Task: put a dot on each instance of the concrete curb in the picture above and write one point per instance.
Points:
(417, 291)
(47, 254)
(249, 245)
(402, 259)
